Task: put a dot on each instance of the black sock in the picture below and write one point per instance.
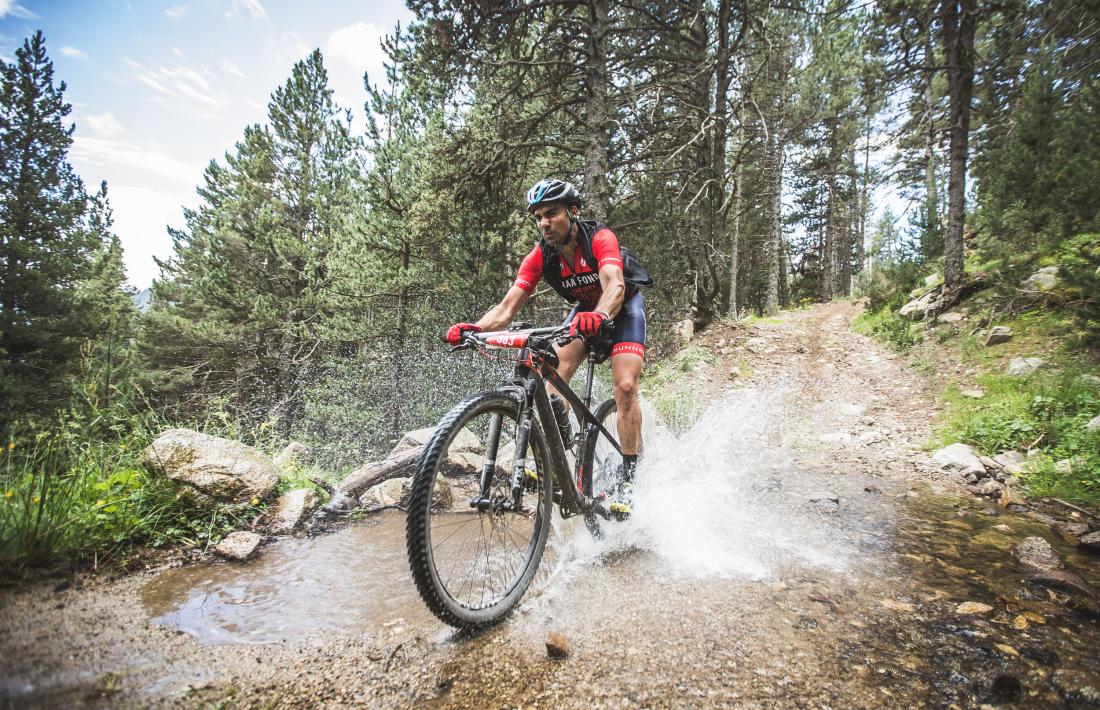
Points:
(630, 463)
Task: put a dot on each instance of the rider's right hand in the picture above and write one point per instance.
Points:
(454, 333)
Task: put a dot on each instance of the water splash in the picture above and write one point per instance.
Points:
(725, 499)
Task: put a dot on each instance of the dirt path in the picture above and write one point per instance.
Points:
(793, 547)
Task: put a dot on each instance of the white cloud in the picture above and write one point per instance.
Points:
(104, 125)
(121, 154)
(358, 45)
(179, 53)
(141, 219)
(74, 53)
(254, 7)
(350, 51)
(9, 7)
(230, 68)
(177, 11)
(176, 83)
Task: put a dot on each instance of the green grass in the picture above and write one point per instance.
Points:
(887, 326)
(1046, 412)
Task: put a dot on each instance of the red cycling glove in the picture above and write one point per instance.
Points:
(587, 322)
(454, 333)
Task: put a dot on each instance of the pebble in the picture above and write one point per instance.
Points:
(973, 609)
(557, 646)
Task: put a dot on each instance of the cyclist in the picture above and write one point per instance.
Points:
(602, 294)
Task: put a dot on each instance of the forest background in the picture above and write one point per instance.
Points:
(728, 142)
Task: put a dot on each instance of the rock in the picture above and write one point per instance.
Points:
(557, 646)
(990, 487)
(684, 331)
(1090, 542)
(1002, 528)
(238, 546)
(990, 464)
(933, 280)
(291, 456)
(917, 309)
(1093, 424)
(1067, 466)
(209, 468)
(464, 441)
(950, 317)
(1089, 380)
(1077, 686)
(462, 463)
(1011, 461)
(1036, 553)
(1062, 580)
(959, 457)
(998, 334)
(291, 508)
(894, 605)
(974, 393)
(1023, 366)
(1076, 530)
(1042, 280)
(973, 609)
(395, 492)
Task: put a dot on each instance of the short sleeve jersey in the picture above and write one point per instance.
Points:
(580, 279)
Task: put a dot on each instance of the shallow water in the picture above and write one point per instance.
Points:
(357, 578)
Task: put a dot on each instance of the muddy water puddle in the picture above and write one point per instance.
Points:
(356, 579)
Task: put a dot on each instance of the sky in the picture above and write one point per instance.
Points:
(159, 89)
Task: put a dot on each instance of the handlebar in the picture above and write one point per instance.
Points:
(533, 338)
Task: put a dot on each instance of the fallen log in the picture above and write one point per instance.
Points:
(370, 474)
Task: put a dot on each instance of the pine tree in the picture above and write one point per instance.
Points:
(244, 306)
(44, 248)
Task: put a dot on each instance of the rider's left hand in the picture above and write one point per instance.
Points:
(587, 322)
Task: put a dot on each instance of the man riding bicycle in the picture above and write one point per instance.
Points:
(602, 294)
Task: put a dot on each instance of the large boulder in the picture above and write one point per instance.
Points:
(1042, 280)
(464, 441)
(684, 331)
(209, 468)
(917, 309)
(1093, 424)
(1013, 462)
(291, 508)
(959, 457)
(291, 456)
(395, 493)
(1023, 366)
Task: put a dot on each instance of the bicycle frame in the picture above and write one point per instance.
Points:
(537, 365)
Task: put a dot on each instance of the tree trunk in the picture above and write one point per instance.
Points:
(771, 300)
(931, 242)
(958, 35)
(597, 191)
(738, 181)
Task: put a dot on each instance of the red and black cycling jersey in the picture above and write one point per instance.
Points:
(579, 280)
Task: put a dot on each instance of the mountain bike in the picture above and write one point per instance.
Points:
(486, 483)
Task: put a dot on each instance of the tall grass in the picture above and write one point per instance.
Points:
(74, 488)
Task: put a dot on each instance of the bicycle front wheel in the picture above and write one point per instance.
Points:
(472, 562)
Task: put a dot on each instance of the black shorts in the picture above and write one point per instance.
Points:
(629, 333)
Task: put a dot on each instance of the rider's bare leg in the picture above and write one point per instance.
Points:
(626, 368)
(570, 358)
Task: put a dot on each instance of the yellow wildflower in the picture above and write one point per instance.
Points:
(100, 503)
(37, 500)
(11, 445)
(9, 494)
(255, 501)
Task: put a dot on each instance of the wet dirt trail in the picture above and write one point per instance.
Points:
(792, 546)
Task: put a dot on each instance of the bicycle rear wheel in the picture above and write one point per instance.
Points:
(472, 565)
(602, 461)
